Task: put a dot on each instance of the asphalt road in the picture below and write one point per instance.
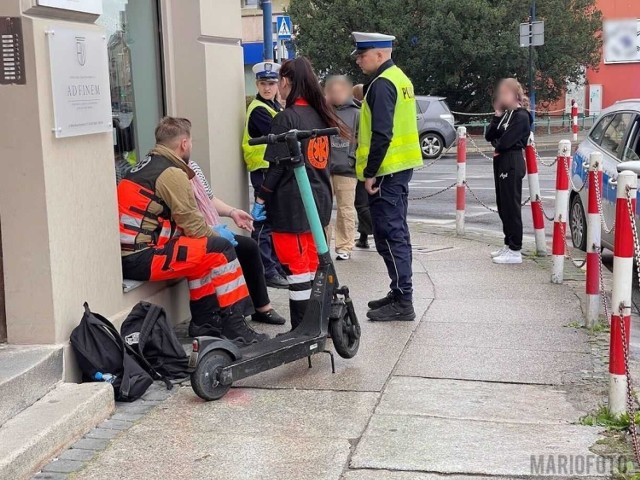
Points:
(440, 209)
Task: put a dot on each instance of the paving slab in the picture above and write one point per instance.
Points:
(381, 345)
(490, 364)
(395, 475)
(495, 402)
(220, 456)
(493, 335)
(258, 412)
(476, 274)
(504, 312)
(248, 434)
(494, 289)
(399, 442)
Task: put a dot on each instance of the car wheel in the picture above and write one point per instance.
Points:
(432, 145)
(578, 224)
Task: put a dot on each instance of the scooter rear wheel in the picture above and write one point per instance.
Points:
(345, 335)
(204, 379)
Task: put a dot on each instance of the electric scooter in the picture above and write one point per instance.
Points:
(219, 362)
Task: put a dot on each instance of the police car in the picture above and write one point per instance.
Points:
(616, 134)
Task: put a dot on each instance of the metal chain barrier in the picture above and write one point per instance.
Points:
(491, 209)
(475, 145)
(602, 220)
(435, 193)
(539, 158)
(551, 218)
(630, 404)
(576, 263)
(573, 186)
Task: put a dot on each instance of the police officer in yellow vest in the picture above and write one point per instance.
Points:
(259, 116)
(388, 151)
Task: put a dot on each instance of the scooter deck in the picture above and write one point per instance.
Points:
(273, 353)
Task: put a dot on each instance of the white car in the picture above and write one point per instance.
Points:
(616, 134)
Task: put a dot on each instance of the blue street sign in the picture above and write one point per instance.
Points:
(283, 24)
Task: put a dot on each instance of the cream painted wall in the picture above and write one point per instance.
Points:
(58, 196)
(206, 85)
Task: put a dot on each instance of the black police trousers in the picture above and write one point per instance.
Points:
(508, 171)
(390, 230)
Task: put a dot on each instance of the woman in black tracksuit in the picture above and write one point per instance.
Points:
(509, 133)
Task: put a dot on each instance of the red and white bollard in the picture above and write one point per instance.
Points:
(623, 249)
(574, 119)
(461, 163)
(562, 209)
(594, 230)
(534, 192)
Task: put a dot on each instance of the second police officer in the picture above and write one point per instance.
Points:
(260, 114)
(388, 151)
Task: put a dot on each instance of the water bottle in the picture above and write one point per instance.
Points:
(105, 377)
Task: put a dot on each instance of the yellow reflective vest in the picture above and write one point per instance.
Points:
(404, 150)
(254, 155)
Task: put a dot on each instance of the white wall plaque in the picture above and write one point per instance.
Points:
(79, 81)
(85, 6)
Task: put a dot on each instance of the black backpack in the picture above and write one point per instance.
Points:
(147, 330)
(100, 348)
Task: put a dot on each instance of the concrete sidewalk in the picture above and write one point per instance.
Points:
(491, 377)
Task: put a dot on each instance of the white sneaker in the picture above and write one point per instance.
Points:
(509, 257)
(343, 255)
(500, 251)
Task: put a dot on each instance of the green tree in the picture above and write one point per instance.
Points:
(454, 48)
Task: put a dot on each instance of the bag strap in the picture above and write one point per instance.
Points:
(112, 333)
(147, 324)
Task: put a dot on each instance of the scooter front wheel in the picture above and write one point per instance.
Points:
(204, 379)
(345, 334)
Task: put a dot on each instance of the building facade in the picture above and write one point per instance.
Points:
(618, 76)
(252, 38)
(58, 208)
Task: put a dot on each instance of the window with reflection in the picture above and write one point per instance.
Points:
(135, 75)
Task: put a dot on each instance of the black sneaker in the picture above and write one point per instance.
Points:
(277, 281)
(271, 317)
(205, 330)
(381, 302)
(236, 329)
(396, 311)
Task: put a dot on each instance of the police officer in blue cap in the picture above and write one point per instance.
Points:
(388, 151)
(260, 114)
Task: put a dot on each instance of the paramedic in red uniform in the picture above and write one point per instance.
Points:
(164, 236)
(279, 195)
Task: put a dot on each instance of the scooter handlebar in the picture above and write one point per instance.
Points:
(299, 134)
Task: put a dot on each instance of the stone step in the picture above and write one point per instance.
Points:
(27, 373)
(31, 438)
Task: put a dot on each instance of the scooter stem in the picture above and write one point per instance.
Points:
(310, 209)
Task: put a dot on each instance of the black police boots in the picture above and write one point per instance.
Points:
(236, 329)
(395, 311)
(211, 327)
(381, 302)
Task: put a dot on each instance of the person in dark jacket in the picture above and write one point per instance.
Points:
(509, 133)
(365, 224)
(338, 91)
(279, 195)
